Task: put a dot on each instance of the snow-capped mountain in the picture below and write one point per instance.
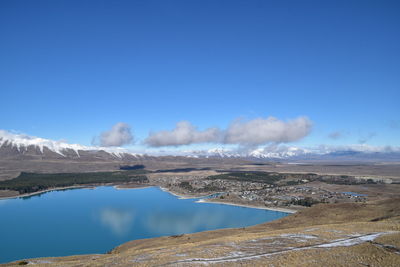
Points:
(24, 146)
(269, 152)
(20, 146)
(278, 152)
(293, 153)
(338, 154)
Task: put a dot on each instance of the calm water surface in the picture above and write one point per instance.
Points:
(83, 221)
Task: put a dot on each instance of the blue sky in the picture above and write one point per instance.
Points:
(73, 69)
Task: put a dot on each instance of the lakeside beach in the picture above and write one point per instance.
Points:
(202, 200)
(247, 206)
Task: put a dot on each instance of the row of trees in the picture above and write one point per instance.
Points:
(33, 182)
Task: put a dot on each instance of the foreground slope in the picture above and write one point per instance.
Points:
(345, 234)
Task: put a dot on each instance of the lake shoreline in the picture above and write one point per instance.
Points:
(181, 196)
(44, 191)
(248, 206)
(129, 187)
(139, 186)
(88, 186)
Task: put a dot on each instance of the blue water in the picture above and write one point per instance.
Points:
(83, 221)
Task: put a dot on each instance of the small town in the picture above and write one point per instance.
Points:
(292, 194)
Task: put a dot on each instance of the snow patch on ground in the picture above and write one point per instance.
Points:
(299, 236)
(240, 256)
(350, 242)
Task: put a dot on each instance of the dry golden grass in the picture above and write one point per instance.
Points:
(392, 240)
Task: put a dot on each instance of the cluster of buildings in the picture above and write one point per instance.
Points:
(262, 193)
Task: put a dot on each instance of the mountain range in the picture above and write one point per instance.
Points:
(19, 146)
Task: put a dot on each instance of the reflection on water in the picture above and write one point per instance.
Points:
(184, 223)
(83, 221)
(119, 221)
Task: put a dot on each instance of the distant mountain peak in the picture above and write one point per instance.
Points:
(21, 142)
(25, 144)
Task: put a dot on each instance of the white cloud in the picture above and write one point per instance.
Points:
(267, 130)
(183, 134)
(364, 148)
(248, 133)
(119, 135)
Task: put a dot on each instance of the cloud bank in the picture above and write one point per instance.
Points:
(183, 134)
(247, 133)
(269, 130)
(119, 135)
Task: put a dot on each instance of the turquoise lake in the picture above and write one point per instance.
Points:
(84, 221)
